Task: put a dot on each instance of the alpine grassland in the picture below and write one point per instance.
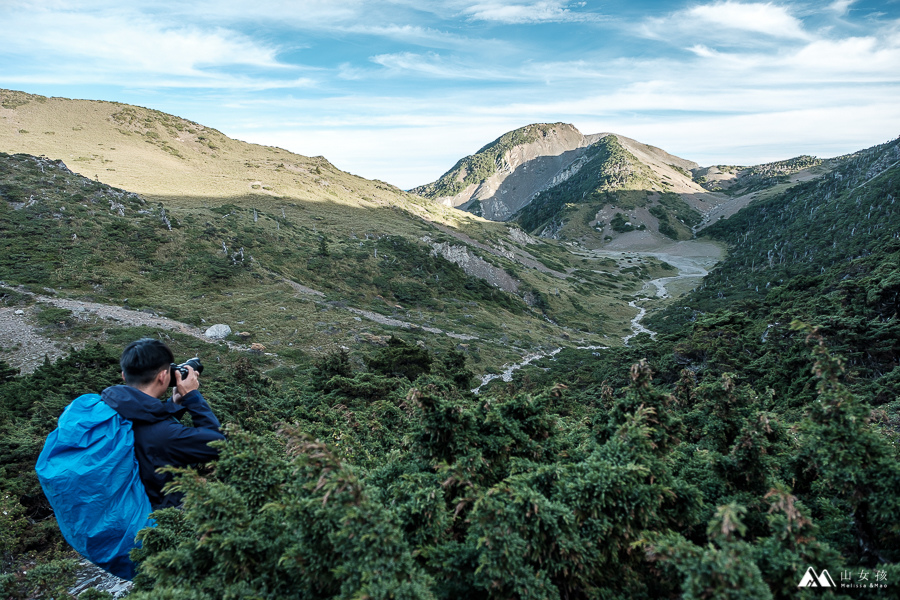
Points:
(753, 439)
(272, 243)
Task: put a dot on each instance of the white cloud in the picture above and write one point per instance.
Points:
(408, 33)
(78, 77)
(728, 23)
(856, 57)
(393, 154)
(432, 64)
(150, 47)
(426, 36)
(765, 136)
(841, 6)
(704, 51)
(130, 48)
(303, 14)
(767, 19)
(533, 12)
(824, 57)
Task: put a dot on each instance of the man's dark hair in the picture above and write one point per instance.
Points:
(143, 359)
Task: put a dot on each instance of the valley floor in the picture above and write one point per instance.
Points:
(692, 259)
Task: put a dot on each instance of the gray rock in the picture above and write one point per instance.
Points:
(218, 332)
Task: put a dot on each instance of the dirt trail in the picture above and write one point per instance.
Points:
(24, 346)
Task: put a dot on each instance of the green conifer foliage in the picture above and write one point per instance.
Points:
(300, 526)
(687, 482)
(852, 463)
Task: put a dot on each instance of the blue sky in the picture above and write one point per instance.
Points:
(399, 90)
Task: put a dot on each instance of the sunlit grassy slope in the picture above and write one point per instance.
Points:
(221, 231)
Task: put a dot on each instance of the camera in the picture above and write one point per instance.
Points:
(193, 362)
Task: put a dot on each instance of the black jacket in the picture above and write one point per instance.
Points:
(160, 440)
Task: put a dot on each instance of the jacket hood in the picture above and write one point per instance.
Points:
(134, 405)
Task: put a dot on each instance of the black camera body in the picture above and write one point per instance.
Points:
(183, 369)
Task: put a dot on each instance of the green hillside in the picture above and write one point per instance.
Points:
(809, 238)
(611, 176)
(825, 253)
(291, 274)
(280, 246)
(753, 439)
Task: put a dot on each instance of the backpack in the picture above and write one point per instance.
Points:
(89, 473)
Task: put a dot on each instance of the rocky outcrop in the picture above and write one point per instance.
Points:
(476, 266)
(218, 332)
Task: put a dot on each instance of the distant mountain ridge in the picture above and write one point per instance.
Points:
(603, 189)
(505, 175)
(532, 173)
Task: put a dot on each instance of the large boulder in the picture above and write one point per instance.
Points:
(218, 332)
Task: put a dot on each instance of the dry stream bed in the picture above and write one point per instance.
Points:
(692, 258)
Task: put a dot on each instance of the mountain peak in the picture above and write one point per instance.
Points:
(504, 175)
(534, 172)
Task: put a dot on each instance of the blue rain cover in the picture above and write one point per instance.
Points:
(90, 476)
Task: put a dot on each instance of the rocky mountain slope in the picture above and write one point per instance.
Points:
(603, 190)
(507, 175)
(504, 176)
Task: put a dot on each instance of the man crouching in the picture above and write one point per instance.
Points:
(159, 439)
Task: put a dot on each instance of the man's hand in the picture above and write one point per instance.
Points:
(185, 386)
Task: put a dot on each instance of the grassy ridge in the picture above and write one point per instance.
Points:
(762, 177)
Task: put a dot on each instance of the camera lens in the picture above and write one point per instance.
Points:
(195, 364)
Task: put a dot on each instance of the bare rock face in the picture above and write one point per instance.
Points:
(520, 237)
(477, 267)
(549, 158)
(509, 173)
(218, 332)
(531, 168)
